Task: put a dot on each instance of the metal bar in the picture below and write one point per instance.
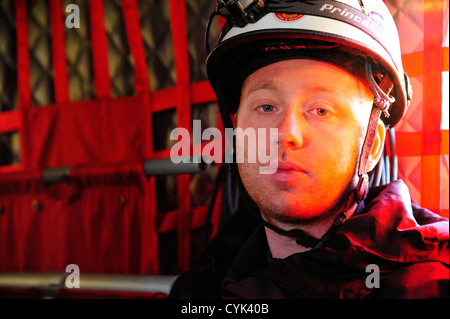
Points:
(151, 167)
(184, 165)
(134, 283)
(56, 175)
(53, 281)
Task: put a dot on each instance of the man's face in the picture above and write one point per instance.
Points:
(321, 113)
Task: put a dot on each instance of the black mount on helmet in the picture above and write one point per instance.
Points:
(237, 13)
(241, 12)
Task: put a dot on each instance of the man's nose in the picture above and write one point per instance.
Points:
(290, 130)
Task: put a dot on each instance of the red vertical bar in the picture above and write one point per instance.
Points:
(137, 49)
(57, 25)
(432, 100)
(149, 237)
(178, 24)
(99, 46)
(135, 42)
(23, 74)
(23, 55)
(150, 250)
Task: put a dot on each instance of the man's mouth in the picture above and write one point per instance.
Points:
(287, 171)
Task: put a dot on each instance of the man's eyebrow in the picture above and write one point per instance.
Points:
(320, 88)
(271, 85)
(266, 85)
(311, 89)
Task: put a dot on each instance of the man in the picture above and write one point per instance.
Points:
(328, 76)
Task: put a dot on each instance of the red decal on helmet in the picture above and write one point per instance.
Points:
(288, 16)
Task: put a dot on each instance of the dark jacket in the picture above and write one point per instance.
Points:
(405, 246)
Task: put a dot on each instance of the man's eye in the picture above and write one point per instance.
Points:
(266, 108)
(320, 111)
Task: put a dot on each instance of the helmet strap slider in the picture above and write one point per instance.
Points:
(383, 105)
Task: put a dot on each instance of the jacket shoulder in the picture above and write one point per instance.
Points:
(424, 280)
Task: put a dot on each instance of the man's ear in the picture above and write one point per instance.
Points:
(377, 148)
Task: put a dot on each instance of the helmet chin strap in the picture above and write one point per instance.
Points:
(363, 184)
(381, 104)
(382, 101)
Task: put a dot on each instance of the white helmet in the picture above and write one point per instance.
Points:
(358, 36)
